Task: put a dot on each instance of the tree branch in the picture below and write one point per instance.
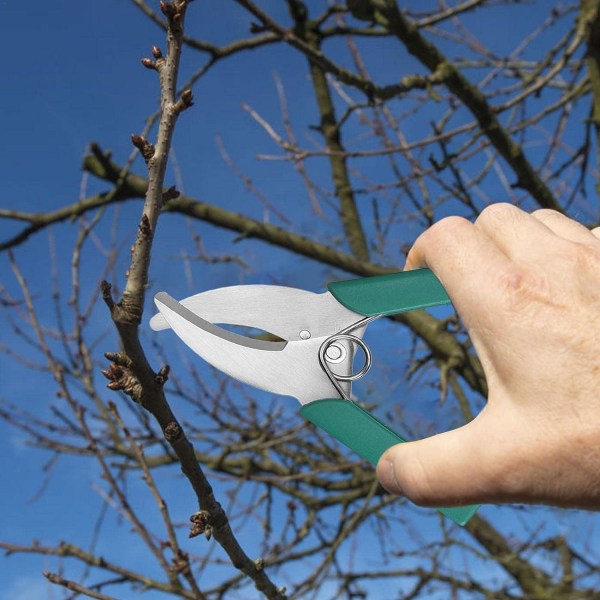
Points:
(126, 313)
(389, 16)
(331, 132)
(75, 587)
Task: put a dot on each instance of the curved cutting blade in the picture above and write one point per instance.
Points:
(287, 368)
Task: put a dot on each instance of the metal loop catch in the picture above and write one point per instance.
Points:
(346, 335)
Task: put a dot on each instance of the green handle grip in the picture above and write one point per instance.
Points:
(390, 294)
(362, 432)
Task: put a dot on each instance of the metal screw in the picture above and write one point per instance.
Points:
(335, 353)
(304, 334)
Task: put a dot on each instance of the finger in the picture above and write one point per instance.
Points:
(435, 243)
(516, 233)
(564, 227)
(465, 261)
(454, 468)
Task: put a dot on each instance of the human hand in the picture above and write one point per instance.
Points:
(527, 287)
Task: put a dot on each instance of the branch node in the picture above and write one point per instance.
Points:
(167, 9)
(163, 375)
(123, 378)
(174, 11)
(145, 228)
(181, 564)
(201, 524)
(170, 194)
(172, 431)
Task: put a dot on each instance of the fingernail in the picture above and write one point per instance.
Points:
(386, 473)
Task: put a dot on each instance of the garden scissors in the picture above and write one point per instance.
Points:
(313, 362)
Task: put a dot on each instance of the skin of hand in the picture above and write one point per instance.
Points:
(527, 287)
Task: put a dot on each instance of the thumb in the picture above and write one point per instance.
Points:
(448, 469)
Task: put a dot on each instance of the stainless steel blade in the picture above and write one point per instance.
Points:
(287, 368)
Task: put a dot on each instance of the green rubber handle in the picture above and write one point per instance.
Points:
(362, 432)
(390, 294)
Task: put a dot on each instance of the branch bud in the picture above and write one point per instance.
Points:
(106, 290)
(163, 375)
(200, 524)
(185, 101)
(156, 52)
(187, 97)
(167, 9)
(149, 64)
(143, 145)
(123, 378)
(120, 358)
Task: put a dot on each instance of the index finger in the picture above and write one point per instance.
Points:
(464, 259)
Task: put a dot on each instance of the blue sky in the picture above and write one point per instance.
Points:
(71, 75)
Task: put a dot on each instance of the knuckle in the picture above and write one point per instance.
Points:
(448, 228)
(543, 213)
(437, 240)
(499, 213)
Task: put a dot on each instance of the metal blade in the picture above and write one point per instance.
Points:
(287, 368)
(224, 334)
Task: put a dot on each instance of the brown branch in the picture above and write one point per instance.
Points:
(328, 127)
(129, 308)
(390, 16)
(75, 587)
(590, 14)
(135, 186)
(181, 560)
(126, 313)
(443, 71)
(38, 221)
(215, 52)
(449, 12)
(531, 580)
(72, 551)
(298, 164)
(406, 84)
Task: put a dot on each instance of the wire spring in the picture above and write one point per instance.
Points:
(345, 334)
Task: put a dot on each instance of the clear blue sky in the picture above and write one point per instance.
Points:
(71, 75)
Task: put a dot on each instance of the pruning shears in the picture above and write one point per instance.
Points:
(320, 334)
